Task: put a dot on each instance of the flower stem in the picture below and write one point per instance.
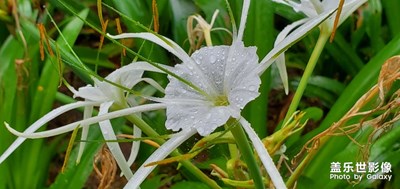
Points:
(247, 154)
(323, 37)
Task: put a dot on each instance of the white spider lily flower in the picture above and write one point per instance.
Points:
(103, 94)
(312, 9)
(107, 93)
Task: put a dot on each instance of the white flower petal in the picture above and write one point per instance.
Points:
(108, 134)
(89, 121)
(243, 18)
(164, 42)
(281, 65)
(158, 155)
(153, 83)
(87, 113)
(125, 75)
(91, 93)
(280, 61)
(205, 119)
(137, 133)
(328, 4)
(262, 152)
(291, 39)
(241, 81)
(39, 123)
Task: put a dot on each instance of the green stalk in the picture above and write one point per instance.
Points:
(247, 154)
(323, 37)
(297, 172)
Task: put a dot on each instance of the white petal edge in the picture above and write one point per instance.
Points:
(166, 43)
(158, 155)
(243, 18)
(292, 38)
(280, 61)
(87, 113)
(266, 159)
(153, 83)
(137, 133)
(92, 120)
(39, 123)
(115, 149)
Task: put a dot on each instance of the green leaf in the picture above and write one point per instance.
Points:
(8, 88)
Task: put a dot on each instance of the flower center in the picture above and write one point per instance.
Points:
(221, 100)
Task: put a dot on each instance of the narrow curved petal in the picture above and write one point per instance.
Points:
(137, 133)
(291, 39)
(87, 113)
(280, 61)
(243, 18)
(158, 155)
(164, 42)
(153, 83)
(281, 65)
(108, 134)
(262, 152)
(89, 121)
(39, 123)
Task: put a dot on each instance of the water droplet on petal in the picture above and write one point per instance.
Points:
(213, 59)
(252, 88)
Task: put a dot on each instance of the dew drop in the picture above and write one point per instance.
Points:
(213, 59)
(252, 88)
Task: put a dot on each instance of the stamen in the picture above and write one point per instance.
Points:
(221, 100)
